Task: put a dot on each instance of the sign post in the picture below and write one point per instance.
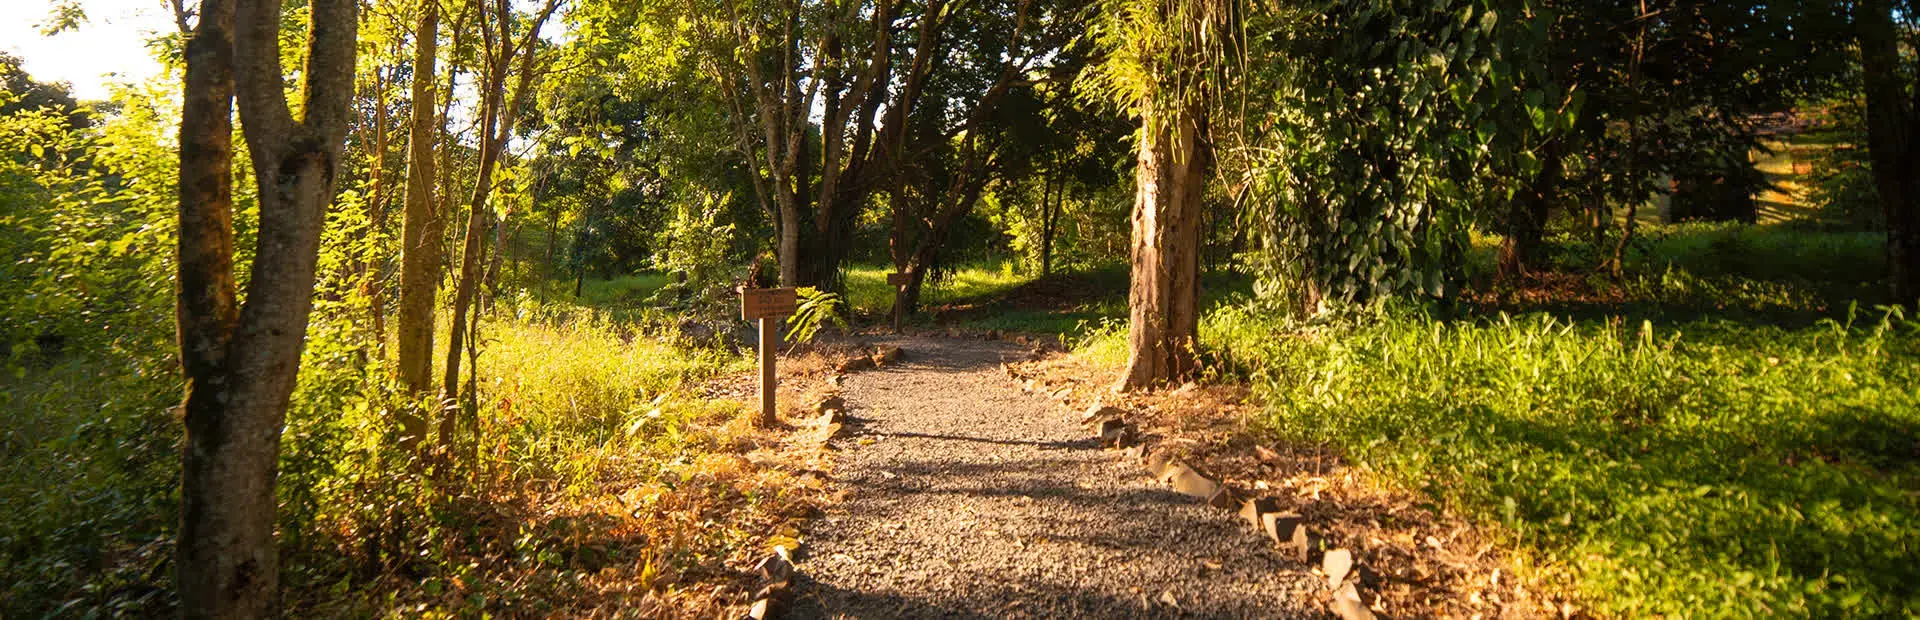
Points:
(768, 306)
(899, 283)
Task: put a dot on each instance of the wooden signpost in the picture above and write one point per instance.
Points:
(768, 306)
(899, 282)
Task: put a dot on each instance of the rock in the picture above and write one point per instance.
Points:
(1336, 564)
(825, 433)
(856, 364)
(1346, 604)
(776, 569)
(887, 354)
(762, 610)
(834, 402)
(1252, 510)
(1223, 498)
(830, 416)
(1190, 483)
(1157, 464)
(1115, 434)
(1099, 412)
(1287, 530)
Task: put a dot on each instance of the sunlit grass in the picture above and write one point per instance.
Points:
(1715, 462)
(580, 397)
(630, 289)
(868, 291)
(1718, 467)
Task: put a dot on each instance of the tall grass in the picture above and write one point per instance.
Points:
(580, 399)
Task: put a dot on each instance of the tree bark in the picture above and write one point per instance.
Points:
(422, 228)
(1892, 134)
(240, 370)
(1163, 299)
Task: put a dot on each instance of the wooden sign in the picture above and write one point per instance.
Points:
(762, 303)
(899, 279)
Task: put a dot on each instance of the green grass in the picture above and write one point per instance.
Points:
(1718, 468)
(868, 293)
(623, 290)
(1720, 435)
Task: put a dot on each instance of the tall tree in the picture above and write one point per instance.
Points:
(980, 121)
(241, 361)
(1893, 135)
(423, 225)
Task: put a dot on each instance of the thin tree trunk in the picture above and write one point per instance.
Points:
(496, 123)
(1892, 134)
(1163, 299)
(240, 367)
(546, 270)
(1046, 222)
(377, 216)
(422, 229)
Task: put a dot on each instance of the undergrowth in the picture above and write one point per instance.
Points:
(594, 475)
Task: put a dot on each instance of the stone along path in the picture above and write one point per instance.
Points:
(970, 498)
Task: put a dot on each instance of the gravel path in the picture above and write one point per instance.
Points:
(970, 498)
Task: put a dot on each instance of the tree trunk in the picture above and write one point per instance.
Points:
(1892, 134)
(1527, 217)
(240, 368)
(1046, 224)
(496, 123)
(377, 216)
(1164, 296)
(422, 229)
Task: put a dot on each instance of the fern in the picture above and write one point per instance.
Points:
(816, 310)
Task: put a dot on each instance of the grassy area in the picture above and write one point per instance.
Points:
(869, 294)
(594, 473)
(629, 289)
(1746, 470)
(1673, 448)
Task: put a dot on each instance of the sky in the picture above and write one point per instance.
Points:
(110, 47)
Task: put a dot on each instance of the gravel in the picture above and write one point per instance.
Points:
(969, 498)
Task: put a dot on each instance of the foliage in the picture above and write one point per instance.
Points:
(1387, 121)
(1843, 186)
(698, 251)
(87, 218)
(817, 310)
